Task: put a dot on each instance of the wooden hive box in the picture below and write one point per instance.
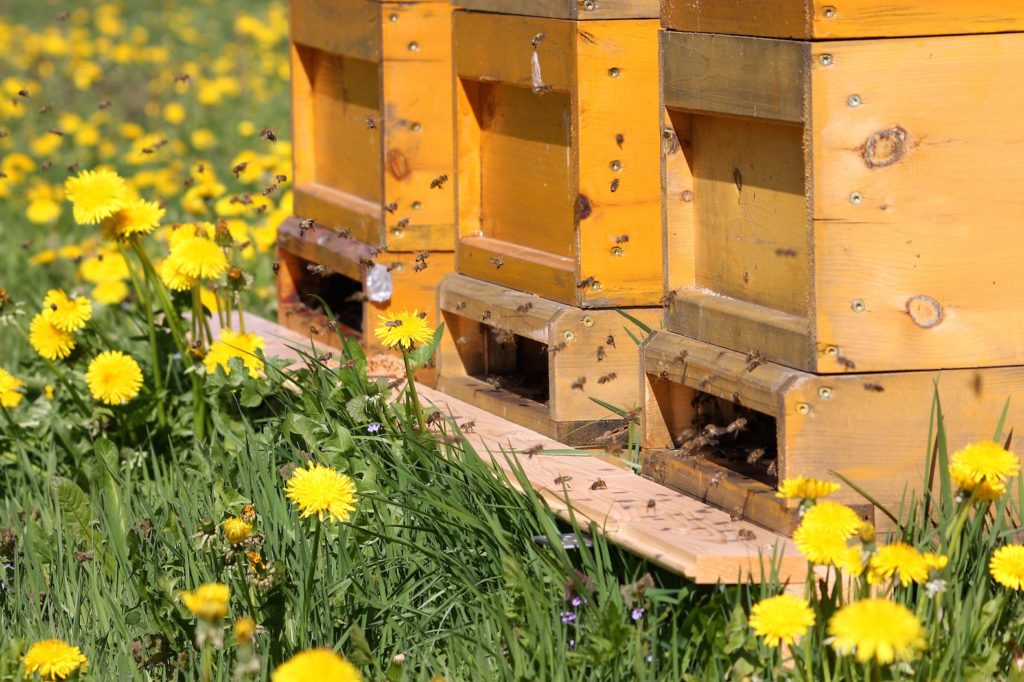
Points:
(372, 120)
(831, 19)
(319, 267)
(847, 205)
(537, 362)
(569, 9)
(873, 429)
(558, 138)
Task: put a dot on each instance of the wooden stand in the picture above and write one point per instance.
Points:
(537, 362)
(558, 139)
(811, 209)
(871, 428)
(320, 263)
(372, 120)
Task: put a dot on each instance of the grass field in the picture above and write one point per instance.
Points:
(143, 458)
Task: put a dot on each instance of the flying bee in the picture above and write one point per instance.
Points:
(467, 427)
(72, 167)
(614, 186)
(182, 77)
(486, 315)
(390, 208)
(533, 450)
(497, 262)
(393, 324)
(610, 376)
(622, 239)
(402, 224)
(268, 190)
(420, 266)
(188, 182)
(200, 168)
(438, 182)
(268, 134)
(46, 109)
(238, 168)
(599, 484)
(588, 282)
(162, 143)
(524, 308)
(377, 250)
(23, 93)
(461, 305)
(325, 357)
(462, 341)
(358, 297)
(281, 177)
(562, 480)
(600, 353)
(63, 16)
(46, 165)
(371, 124)
(105, 104)
(504, 336)
(754, 455)
(579, 383)
(755, 359)
(876, 388)
(148, 151)
(537, 40)
(332, 325)
(317, 269)
(773, 468)
(610, 341)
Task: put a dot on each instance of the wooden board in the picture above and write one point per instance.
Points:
(821, 19)
(813, 220)
(569, 9)
(679, 533)
(556, 143)
(871, 428)
(372, 115)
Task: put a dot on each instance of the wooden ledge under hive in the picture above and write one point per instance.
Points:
(539, 363)
(815, 208)
(558, 141)
(726, 426)
(356, 281)
(372, 119)
(582, 10)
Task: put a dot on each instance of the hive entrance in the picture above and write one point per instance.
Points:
(516, 364)
(341, 295)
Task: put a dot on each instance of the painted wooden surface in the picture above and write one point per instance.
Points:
(558, 136)
(872, 428)
(678, 533)
(372, 115)
(837, 243)
(569, 9)
(822, 19)
(579, 355)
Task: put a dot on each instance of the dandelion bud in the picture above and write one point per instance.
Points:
(208, 526)
(866, 532)
(245, 630)
(236, 530)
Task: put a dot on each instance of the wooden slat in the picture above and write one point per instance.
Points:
(525, 269)
(339, 27)
(758, 78)
(569, 9)
(324, 247)
(680, 534)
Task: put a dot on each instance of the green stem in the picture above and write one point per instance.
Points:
(207, 662)
(61, 377)
(956, 529)
(147, 304)
(170, 314)
(304, 621)
(413, 395)
(241, 313)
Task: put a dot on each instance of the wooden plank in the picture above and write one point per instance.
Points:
(323, 247)
(822, 19)
(569, 9)
(522, 314)
(339, 27)
(679, 215)
(525, 269)
(339, 211)
(735, 76)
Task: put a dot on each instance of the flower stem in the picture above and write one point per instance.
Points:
(304, 616)
(147, 304)
(413, 395)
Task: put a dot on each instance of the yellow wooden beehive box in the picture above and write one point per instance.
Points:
(569, 9)
(831, 19)
(845, 206)
(558, 139)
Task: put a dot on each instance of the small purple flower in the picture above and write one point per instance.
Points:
(568, 617)
(374, 427)
(650, 658)
(572, 643)
(576, 601)
(637, 613)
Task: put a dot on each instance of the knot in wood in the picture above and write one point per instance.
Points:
(925, 311)
(886, 147)
(397, 164)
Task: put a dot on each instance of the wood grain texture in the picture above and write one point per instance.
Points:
(341, 27)
(569, 9)
(807, 19)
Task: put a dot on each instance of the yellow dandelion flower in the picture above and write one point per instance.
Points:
(850, 561)
(984, 466)
(174, 279)
(935, 562)
(236, 530)
(95, 195)
(199, 257)
(113, 377)
(876, 629)
(234, 345)
(10, 389)
(245, 630)
(110, 292)
(209, 601)
(53, 659)
(48, 340)
(834, 515)
(405, 329)
(48, 391)
(66, 313)
(781, 619)
(801, 488)
(1007, 566)
(44, 257)
(137, 216)
(823, 534)
(322, 491)
(898, 559)
(316, 664)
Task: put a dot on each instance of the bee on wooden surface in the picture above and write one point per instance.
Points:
(736, 514)
(663, 374)
(504, 336)
(314, 269)
(610, 376)
(422, 255)
(461, 305)
(715, 480)
(681, 356)
(306, 224)
(755, 359)
(614, 186)
(754, 455)
(600, 353)
(238, 168)
(579, 383)
(705, 382)
(789, 252)
(268, 134)
(558, 347)
(562, 480)
(524, 307)
(847, 363)
(533, 450)
(402, 224)
(652, 505)
(610, 341)
(537, 39)
(467, 427)
(377, 250)
(438, 182)
(736, 397)
(419, 266)
(486, 315)
(875, 388)
(588, 282)
(746, 535)
(390, 208)
(462, 341)
(496, 262)
(599, 484)
(622, 239)
(668, 298)
(619, 139)
(371, 124)
(367, 262)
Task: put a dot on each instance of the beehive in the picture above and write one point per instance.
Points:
(540, 363)
(372, 120)
(872, 428)
(558, 140)
(569, 9)
(846, 206)
(319, 268)
(831, 19)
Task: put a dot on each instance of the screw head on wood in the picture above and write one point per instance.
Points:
(856, 198)
(588, 321)
(568, 335)
(825, 60)
(615, 165)
(416, 127)
(832, 351)
(396, 232)
(858, 305)
(414, 46)
(614, 72)
(825, 392)
(589, 5)
(802, 408)
(853, 101)
(829, 12)
(416, 205)
(392, 17)
(617, 251)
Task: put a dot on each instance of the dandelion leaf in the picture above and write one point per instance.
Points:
(75, 509)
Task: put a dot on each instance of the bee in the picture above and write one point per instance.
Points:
(773, 468)
(82, 557)
(736, 514)
(495, 382)
(45, 109)
(746, 535)
(345, 234)
(46, 165)
(393, 324)
(462, 341)
(467, 427)
(422, 256)
(357, 296)
(332, 325)
(238, 168)
(317, 269)
(705, 382)
(788, 252)
(542, 89)
(668, 298)
(579, 383)
(497, 262)
(315, 330)
(370, 123)
(182, 78)
(610, 376)
(614, 186)
(755, 359)
(610, 341)
(377, 250)
(438, 182)
(201, 168)
(390, 208)
(652, 505)
(162, 143)
(461, 305)
(268, 134)
(486, 315)
(23, 93)
(268, 190)
(276, 267)
(715, 480)
(188, 182)
(562, 480)
(533, 450)
(599, 484)
(105, 104)
(3, 134)
(754, 455)
(420, 266)
(248, 513)
(148, 151)
(847, 363)
(681, 356)
(524, 308)
(588, 282)
(63, 16)
(560, 346)
(622, 239)
(306, 224)
(72, 167)
(281, 177)
(324, 357)
(537, 40)
(736, 397)
(504, 336)
(876, 388)
(619, 139)
(402, 224)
